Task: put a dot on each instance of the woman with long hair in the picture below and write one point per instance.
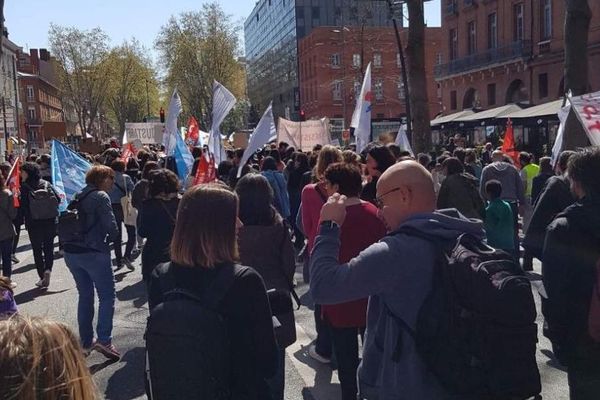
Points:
(265, 245)
(278, 185)
(41, 359)
(204, 252)
(379, 159)
(7, 230)
(122, 186)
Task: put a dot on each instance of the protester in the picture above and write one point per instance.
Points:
(133, 170)
(512, 188)
(297, 167)
(41, 359)
(157, 219)
(7, 230)
(379, 159)
(570, 260)
(40, 214)
(8, 306)
(45, 170)
(278, 185)
(266, 246)
(203, 254)
(122, 188)
(529, 170)
(313, 197)
(472, 164)
(89, 262)
(459, 190)
(539, 181)
(499, 227)
(139, 193)
(486, 154)
(396, 273)
(361, 228)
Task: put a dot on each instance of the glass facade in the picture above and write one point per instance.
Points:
(271, 35)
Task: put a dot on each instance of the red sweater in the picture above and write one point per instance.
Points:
(312, 201)
(362, 227)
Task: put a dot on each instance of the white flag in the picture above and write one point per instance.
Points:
(563, 113)
(587, 109)
(402, 140)
(124, 141)
(361, 118)
(169, 139)
(261, 135)
(223, 102)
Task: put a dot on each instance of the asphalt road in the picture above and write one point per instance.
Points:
(123, 380)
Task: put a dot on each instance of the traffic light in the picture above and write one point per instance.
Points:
(302, 115)
(162, 115)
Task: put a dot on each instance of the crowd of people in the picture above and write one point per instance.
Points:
(365, 228)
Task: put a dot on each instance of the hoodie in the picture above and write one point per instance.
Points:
(507, 174)
(395, 272)
(571, 251)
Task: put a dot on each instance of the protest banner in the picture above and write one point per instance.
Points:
(303, 135)
(146, 132)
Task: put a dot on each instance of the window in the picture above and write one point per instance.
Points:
(30, 93)
(471, 38)
(492, 31)
(491, 94)
(356, 60)
(518, 22)
(400, 87)
(31, 113)
(543, 85)
(337, 90)
(377, 59)
(398, 60)
(335, 60)
(453, 44)
(316, 12)
(438, 59)
(546, 20)
(453, 100)
(379, 89)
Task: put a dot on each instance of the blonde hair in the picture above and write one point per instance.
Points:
(205, 230)
(327, 156)
(42, 359)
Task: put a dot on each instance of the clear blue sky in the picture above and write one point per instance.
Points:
(28, 22)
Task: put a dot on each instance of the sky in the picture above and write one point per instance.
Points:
(28, 22)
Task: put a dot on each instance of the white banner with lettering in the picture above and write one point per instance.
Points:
(303, 135)
(146, 132)
(587, 108)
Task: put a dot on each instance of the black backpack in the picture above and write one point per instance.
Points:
(43, 203)
(187, 343)
(476, 328)
(72, 222)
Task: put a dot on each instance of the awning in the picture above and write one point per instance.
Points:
(451, 117)
(498, 112)
(542, 110)
(15, 140)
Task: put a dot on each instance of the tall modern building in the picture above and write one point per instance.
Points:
(272, 32)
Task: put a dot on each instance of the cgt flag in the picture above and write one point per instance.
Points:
(508, 145)
(205, 172)
(68, 172)
(193, 133)
(14, 181)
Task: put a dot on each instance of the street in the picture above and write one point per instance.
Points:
(305, 378)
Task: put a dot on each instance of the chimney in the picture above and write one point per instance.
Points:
(35, 61)
(44, 55)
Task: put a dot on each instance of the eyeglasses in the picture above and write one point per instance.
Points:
(379, 199)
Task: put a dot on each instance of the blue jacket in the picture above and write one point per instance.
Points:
(101, 226)
(396, 270)
(280, 193)
(122, 184)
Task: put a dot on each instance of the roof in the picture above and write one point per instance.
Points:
(498, 112)
(451, 117)
(546, 109)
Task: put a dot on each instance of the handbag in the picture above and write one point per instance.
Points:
(130, 213)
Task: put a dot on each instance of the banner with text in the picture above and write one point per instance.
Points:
(303, 135)
(587, 108)
(146, 132)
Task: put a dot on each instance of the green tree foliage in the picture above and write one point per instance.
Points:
(196, 48)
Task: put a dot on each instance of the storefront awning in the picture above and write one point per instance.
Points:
(451, 117)
(498, 112)
(543, 110)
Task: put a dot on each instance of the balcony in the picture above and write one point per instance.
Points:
(516, 50)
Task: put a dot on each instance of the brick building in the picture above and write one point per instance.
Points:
(507, 51)
(331, 64)
(39, 93)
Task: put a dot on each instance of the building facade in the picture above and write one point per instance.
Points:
(38, 83)
(499, 52)
(9, 103)
(332, 62)
(272, 32)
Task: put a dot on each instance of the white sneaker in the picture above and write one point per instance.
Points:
(312, 352)
(13, 285)
(39, 283)
(46, 280)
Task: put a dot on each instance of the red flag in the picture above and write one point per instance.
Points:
(206, 171)
(508, 145)
(193, 132)
(128, 150)
(14, 181)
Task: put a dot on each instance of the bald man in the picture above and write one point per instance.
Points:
(396, 273)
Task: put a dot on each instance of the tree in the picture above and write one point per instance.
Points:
(82, 71)
(417, 81)
(577, 26)
(132, 88)
(196, 48)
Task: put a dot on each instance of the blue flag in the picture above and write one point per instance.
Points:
(68, 172)
(183, 158)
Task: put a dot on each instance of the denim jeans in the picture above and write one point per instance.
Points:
(93, 270)
(6, 251)
(131, 236)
